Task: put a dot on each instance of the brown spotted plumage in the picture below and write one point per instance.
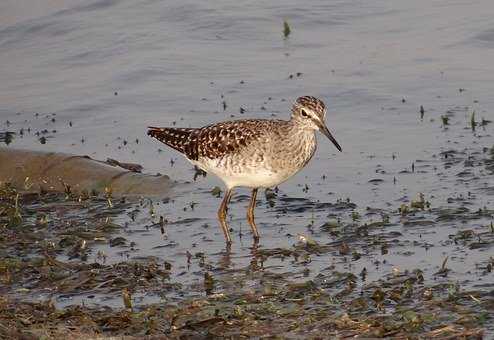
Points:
(255, 153)
(212, 141)
(312, 103)
(176, 138)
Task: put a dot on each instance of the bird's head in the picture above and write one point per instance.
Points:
(309, 112)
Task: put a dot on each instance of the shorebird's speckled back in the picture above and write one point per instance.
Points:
(252, 152)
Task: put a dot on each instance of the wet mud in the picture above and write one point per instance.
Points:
(393, 238)
(413, 260)
(37, 171)
(74, 263)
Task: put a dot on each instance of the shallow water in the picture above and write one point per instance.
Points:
(111, 68)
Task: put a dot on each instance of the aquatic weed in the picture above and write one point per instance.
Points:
(445, 120)
(10, 206)
(286, 29)
(473, 123)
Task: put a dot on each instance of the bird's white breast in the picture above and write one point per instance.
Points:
(255, 177)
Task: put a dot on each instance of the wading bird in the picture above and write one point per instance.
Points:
(252, 153)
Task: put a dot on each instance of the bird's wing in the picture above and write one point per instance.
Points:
(212, 141)
(177, 138)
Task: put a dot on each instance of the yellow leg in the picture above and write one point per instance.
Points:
(250, 214)
(222, 215)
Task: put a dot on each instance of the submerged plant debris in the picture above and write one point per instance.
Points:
(49, 254)
(6, 137)
(286, 29)
(418, 265)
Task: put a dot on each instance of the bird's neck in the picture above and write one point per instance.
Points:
(301, 136)
(301, 143)
(298, 127)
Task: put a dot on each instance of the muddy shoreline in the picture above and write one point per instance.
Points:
(37, 171)
(92, 248)
(51, 257)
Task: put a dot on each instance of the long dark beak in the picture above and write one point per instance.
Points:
(324, 130)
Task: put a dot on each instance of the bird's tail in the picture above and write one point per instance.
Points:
(177, 138)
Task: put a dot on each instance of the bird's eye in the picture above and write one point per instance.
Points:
(304, 114)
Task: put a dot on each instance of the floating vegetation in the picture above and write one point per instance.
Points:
(473, 123)
(445, 120)
(419, 202)
(278, 308)
(7, 137)
(216, 191)
(415, 267)
(127, 299)
(286, 29)
(401, 303)
(9, 206)
(484, 122)
(108, 195)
